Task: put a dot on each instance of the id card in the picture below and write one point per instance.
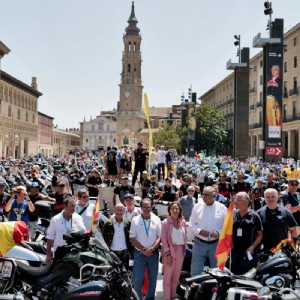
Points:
(249, 255)
(240, 232)
(131, 262)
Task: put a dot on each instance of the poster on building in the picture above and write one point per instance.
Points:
(273, 100)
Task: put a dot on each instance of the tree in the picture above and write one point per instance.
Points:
(167, 136)
(210, 132)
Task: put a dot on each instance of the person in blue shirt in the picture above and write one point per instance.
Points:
(19, 207)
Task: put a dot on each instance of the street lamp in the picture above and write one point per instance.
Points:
(268, 12)
(238, 43)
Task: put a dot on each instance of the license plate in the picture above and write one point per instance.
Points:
(6, 269)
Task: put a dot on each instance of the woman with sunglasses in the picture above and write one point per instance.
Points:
(291, 200)
(174, 240)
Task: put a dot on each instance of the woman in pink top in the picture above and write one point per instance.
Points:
(173, 239)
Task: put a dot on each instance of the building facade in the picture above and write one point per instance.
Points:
(19, 117)
(45, 135)
(65, 141)
(222, 94)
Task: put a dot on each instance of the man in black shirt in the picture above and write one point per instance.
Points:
(271, 183)
(169, 192)
(139, 157)
(291, 199)
(122, 190)
(277, 221)
(246, 235)
(188, 182)
(111, 161)
(241, 185)
(4, 197)
(93, 183)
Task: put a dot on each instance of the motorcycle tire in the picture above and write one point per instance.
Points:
(180, 291)
(134, 295)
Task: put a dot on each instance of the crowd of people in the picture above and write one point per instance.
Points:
(196, 204)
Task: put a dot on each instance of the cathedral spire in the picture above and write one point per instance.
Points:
(132, 29)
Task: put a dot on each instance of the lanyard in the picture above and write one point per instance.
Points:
(146, 228)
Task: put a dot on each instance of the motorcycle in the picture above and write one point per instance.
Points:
(82, 268)
(284, 261)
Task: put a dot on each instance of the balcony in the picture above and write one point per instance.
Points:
(255, 125)
(252, 90)
(285, 94)
(291, 118)
(259, 103)
(294, 91)
(252, 107)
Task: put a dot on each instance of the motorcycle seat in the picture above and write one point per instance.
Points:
(250, 274)
(34, 271)
(38, 247)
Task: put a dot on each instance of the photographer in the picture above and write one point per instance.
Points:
(19, 207)
(139, 157)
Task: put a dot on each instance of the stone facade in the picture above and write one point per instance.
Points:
(45, 134)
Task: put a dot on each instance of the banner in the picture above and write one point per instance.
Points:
(273, 101)
(150, 143)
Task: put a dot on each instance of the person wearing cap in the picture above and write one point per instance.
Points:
(34, 196)
(139, 157)
(247, 234)
(4, 197)
(130, 209)
(116, 234)
(59, 197)
(122, 190)
(94, 182)
(145, 184)
(20, 207)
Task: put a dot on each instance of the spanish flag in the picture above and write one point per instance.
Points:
(225, 241)
(95, 215)
(150, 143)
(285, 242)
(11, 234)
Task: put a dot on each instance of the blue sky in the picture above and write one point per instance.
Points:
(74, 47)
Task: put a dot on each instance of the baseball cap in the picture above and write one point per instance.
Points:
(34, 185)
(21, 187)
(140, 143)
(128, 195)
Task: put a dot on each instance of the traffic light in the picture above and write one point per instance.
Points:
(182, 98)
(237, 42)
(268, 8)
(194, 98)
(190, 94)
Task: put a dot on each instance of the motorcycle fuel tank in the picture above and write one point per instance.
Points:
(275, 266)
(93, 290)
(22, 253)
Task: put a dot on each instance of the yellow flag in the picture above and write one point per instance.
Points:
(150, 143)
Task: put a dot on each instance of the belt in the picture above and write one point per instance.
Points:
(119, 252)
(207, 242)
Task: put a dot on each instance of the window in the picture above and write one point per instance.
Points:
(19, 114)
(254, 69)
(284, 86)
(26, 116)
(260, 117)
(284, 111)
(285, 67)
(261, 79)
(295, 83)
(100, 126)
(295, 41)
(93, 127)
(129, 69)
(260, 97)
(294, 108)
(86, 140)
(129, 46)
(9, 111)
(295, 62)
(33, 118)
(261, 63)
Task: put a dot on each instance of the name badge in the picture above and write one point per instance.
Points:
(131, 262)
(240, 232)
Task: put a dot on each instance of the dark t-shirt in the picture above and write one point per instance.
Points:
(242, 187)
(123, 190)
(225, 188)
(140, 156)
(3, 200)
(249, 224)
(111, 158)
(169, 192)
(273, 184)
(54, 180)
(276, 224)
(33, 198)
(294, 200)
(93, 192)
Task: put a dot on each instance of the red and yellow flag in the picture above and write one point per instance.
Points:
(283, 243)
(225, 240)
(95, 215)
(11, 234)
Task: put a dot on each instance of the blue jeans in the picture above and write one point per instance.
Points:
(201, 251)
(140, 263)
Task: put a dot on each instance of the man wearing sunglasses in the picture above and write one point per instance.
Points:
(291, 199)
(85, 208)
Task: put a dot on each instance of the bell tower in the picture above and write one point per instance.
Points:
(130, 117)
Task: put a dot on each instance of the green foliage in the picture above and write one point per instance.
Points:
(210, 132)
(167, 136)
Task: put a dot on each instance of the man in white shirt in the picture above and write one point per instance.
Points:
(206, 221)
(85, 208)
(145, 236)
(130, 209)
(62, 223)
(161, 160)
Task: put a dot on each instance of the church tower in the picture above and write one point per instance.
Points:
(130, 116)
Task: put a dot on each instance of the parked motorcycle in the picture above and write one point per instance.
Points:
(285, 261)
(83, 268)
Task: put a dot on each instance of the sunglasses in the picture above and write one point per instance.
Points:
(294, 184)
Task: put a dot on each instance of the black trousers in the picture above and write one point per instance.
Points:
(138, 168)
